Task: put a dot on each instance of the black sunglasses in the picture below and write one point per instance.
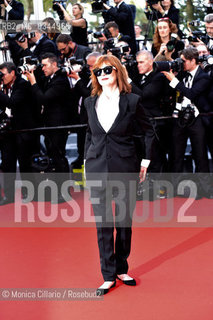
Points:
(106, 70)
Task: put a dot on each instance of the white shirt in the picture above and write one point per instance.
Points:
(185, 101)
(111, 104)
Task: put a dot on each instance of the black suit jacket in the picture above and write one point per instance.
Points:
(114, 151)
(198, 93)
(17, 11)
(22, 105)
(55, 99)
(124, 19)
(45, 45)
(152, 92)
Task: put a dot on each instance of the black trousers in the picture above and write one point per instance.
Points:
(113, 254)
(197, 135)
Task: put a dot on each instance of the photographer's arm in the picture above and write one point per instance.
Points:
(191, 93)
(74, 22)
(15, 13)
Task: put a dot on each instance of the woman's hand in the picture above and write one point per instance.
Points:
(162, 48)
(142, 174)
(168, 54)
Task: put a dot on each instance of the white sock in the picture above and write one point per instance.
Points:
(106, 285)
(124, 277)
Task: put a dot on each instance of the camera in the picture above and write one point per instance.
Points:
(151, 2)
(1, 1)
(28, 64)
(197, 35)
(195, 23)
(97, 6)
(4, 120)
(175, 65)
(58, 9)
(119, 51)
(73, 64)
(99, 34)
(129, 61)
(186, 116)
(206, 62)
(172, 42)
(20, 36)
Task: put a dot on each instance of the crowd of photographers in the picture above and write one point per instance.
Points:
(48, 78)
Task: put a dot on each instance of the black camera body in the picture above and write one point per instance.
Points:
(195, 23)
(206, 62)
(100, 33)
(197, 35)
(28, 64)
(58, 9)
(20, 36)
(186, 116)
(97, 6)
(4, 121)
(119, 51)
(172, 42)
(1, 1)
(175, 65)
(151, 2)
(72, 64)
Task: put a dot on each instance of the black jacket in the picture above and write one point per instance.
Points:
(124, 19)
(114, 151)
(153, 93)
(17, 11)
(22, 105)
(198, 93)
(45, 45)
(55, 99)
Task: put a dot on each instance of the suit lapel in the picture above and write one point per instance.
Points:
(94, 113)
(123, 103)
(196, 75)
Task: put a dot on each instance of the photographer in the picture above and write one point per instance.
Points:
(12, 10)
(114, 33)
(78, 23)
(192, 100)
(82, 90)
(68, 48)
(163, 9)
(153, 88)
(40, 42)
(122, 15)
(166, 43)
(16, 97)
(55, 102)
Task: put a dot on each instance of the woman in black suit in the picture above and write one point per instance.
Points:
(112, 161)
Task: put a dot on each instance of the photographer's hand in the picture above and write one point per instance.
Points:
(73, 75)
(158, 7)
(6, 3)
(169, 75)
(168, 54)
(23, 45)
(106, 6)
(31, 77)
(103, 38)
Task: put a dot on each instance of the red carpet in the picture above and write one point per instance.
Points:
(172, 263)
